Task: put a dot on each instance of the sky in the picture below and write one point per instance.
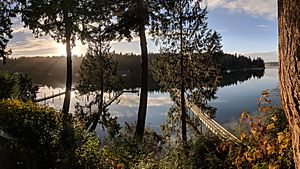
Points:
(247, 27)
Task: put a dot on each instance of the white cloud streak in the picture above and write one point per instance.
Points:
(266, 56)
(24, 42)
(264, 27)
(133, 100)
(264, 8)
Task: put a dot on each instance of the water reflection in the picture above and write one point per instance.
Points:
(233, 96)
(234, 99)
(236, 77)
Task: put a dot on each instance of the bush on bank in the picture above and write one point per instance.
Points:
(265, 136)
(38, 133)
(17, 86)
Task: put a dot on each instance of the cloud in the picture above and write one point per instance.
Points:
(24, 44)
(265, 8)
(264, 27)
(221, 30)
(133, 47)
(123, 114)
(133, 100)
(266, 56)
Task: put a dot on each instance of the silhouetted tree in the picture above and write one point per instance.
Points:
(65, 21)
(258, 62)
(132, 20)
(289, 68)
(188, 48)
(140, 126)
(6, 13)
(98, 75)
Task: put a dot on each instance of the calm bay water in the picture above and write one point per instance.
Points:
(234, 99)
(231, 101)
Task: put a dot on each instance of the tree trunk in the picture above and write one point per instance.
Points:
(182, 86)
(140, 126)
(182, 104)
(67, 133)
(289, 67)
(100, 104)
(67, 99)
(100, 110)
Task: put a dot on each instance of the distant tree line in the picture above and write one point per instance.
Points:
(271, 64)
(239, 62)
(43, 70)
(127, 63)
(236, 77)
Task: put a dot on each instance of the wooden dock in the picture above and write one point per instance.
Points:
(62, 93)
(49, 97)
(210, 123)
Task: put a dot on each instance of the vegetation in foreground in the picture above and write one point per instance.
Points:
(266, 143)
(68, 28)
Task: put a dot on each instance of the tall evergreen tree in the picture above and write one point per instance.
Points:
(289, 68)
(188, 47)
(65, 21)
(141, 120)
(98, 75)
(132, 18)
(6, 13)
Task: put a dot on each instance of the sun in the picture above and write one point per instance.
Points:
(77, 50)
(61, 49)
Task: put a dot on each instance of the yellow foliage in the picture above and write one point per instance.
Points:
(238, 161)
(274, 166)
(119, 165)
(253, 132)
(242, 136)
(267, 140)
(280, 137)
(247, 156)
(257, 154)
(274, 118)
(271, 126)
(242, 117)
(270, 149)
(264, 141)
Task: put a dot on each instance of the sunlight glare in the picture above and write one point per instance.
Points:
(78, 50)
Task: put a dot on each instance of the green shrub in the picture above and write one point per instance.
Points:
(17, 86)
(123, 151)
(88, 152)
(266, 138)
(38, 131)
(200, 152)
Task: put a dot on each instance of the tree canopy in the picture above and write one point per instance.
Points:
(6, 13)
(189, 49)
